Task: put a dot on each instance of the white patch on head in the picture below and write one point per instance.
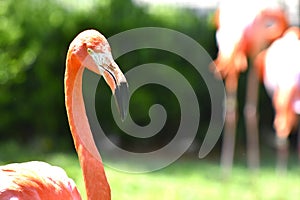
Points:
(103, 58)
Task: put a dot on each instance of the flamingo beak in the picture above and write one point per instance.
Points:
(121, 95)
(119, 87)
(115, 80)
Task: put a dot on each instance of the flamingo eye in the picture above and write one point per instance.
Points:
(269, 23)
(96, 57)
(90, 51)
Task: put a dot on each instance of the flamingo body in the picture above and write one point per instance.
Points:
(281, 76)
(41, 181)
(35, 180)
(244, 28)
(245, 32)
(279, 67)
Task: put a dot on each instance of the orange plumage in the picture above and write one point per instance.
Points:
(35, 180)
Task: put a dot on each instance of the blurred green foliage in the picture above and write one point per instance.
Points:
(34, 38)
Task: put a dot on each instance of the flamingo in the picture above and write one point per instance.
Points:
(279, 67)
(242, 33)
(39, 180)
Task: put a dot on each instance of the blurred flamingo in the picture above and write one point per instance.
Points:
(279, 67)
(242, 33)
(39, 180)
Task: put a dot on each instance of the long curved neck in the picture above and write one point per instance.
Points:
(95, 180)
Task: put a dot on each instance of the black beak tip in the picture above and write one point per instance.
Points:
(122, 99)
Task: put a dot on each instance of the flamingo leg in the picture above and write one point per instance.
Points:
(251, 118)
(230, 126)
(298, 144)
(282, 145)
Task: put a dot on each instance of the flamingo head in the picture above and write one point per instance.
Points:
(92, 50)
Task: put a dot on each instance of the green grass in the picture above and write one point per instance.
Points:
(186, 179)
(192, 180)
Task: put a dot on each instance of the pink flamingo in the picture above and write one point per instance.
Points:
(243, 32)
(279, 67)
(39, 180)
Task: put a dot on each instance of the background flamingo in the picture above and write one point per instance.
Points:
(38, 180)
(243, 32)
(279, 67)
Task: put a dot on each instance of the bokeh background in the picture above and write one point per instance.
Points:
(34, 40)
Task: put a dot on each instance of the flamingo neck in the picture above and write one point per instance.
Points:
(95, 180)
